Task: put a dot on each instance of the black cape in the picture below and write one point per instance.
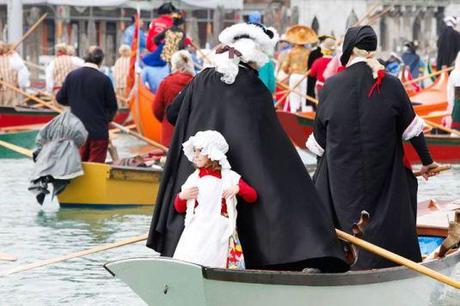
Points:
(448, 47)
(288, 227)
(362, 167)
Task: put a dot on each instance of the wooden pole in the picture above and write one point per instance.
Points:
(368, 12)
(291, 89)
(398, 259)
(137, 135)
(438, 169)
(36, 24)
(17, 149)
(374, 19)
(441, 127)
(97, 249)
(7, 257)
(205, 57)
(428, 76)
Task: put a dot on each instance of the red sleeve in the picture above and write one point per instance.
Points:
(150, 44)
(159, 105)
(180, 205)
(314, 69)
(248, 193)
(188, 41)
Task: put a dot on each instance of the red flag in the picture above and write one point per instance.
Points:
(134, 54)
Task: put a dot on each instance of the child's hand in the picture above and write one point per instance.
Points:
(231, 192)
(189, 193)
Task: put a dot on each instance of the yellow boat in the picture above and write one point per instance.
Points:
(108, 186)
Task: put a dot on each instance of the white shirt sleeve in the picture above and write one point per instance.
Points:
(49, 77)
(17, 64)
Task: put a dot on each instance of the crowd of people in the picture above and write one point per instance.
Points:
(227, 147)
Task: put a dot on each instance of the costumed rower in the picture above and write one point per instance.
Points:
(158, 25)
(288, 227)
(314, 55)
(295, 64)
(91, 98)
(13, 71)
(59, 67)
(453, 97)
(363, 116)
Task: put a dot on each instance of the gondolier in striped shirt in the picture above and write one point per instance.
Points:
(91, 97)
(13, 71)
(363, 117)
(57, 69)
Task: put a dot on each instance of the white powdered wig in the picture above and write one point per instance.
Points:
(182, 61)
(254, 44)
(371, 61)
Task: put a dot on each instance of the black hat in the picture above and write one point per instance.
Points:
(166, 8)
(360, 37)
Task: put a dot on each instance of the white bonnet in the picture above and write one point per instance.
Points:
(211, 143)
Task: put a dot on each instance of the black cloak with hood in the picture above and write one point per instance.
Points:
(288, 227)
(358, 132)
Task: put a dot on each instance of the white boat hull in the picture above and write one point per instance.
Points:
(168, 282)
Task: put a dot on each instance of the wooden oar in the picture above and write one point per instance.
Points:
(368, 12)
(205, 57)
(36, 24)
(438, 169)
(97, 249)
(428, 76)
(295, 85)
(374, 18)
(398, 259)
(441, 127)
(7, 257)
(16, 148)
(139, 136)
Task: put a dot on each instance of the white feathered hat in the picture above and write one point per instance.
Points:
(211, 143)
(251, 41)
(265, 37)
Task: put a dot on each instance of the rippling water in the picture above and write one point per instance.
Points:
(32, 233)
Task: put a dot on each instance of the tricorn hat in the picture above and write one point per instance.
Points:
(301, 35)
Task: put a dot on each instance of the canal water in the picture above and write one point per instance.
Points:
(33, 232)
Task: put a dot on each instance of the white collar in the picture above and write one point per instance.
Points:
(357, 59)
(91, 65)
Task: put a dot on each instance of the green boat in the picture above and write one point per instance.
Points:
(25, 139)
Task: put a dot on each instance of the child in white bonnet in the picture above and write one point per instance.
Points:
(208, 199)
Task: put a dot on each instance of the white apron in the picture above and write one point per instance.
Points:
(205, 238)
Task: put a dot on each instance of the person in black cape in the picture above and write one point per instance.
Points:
(288, 227)
(448, 43)
(363, 116)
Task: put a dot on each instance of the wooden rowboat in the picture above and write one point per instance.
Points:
(107, 186)
(433, 98)
(168, 282)
(141, 109)
(299, 126)
(18, 116)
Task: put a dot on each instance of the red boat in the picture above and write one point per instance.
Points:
(20, 116)
(443, 148)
